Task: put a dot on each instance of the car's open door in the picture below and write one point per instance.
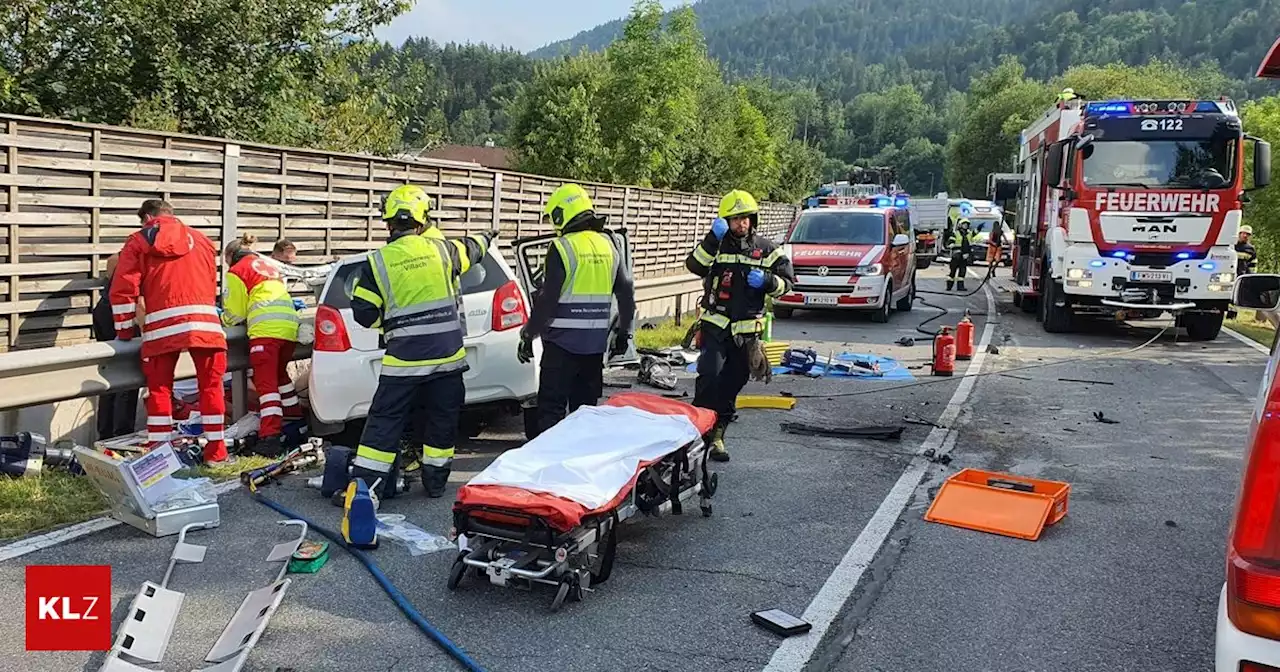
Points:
(530, 253)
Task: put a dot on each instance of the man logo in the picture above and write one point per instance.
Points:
(823, 271)
(1150, 125)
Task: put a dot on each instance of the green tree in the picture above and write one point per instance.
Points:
(556, 125)
(651, 95)
(1262, 119)
(1000, 105)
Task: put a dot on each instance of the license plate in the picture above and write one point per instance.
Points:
(1151, 276)
(821, 300)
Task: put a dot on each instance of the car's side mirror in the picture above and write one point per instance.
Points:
(1260, 291)
(900, 240)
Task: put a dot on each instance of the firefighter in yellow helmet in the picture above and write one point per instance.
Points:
(584, 271)
(963, 242)
(409, 292)
(740, 269)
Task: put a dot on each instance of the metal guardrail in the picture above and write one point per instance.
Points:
(49, 375)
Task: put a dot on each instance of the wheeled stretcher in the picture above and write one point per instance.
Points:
(548, 512)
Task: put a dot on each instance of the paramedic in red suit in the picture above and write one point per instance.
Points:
(172, 268)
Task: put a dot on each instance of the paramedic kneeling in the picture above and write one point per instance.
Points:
(740, 268)
(584, 269)
(409, 290)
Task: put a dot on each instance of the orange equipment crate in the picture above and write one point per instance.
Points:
(989, 501)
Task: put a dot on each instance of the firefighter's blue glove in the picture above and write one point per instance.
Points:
(756, 278)
(719, 228)
(299, 304)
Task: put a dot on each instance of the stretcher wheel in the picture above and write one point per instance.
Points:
(606, 558)
(562, 592)
(457, 571)
(713, 482)
(706, 510)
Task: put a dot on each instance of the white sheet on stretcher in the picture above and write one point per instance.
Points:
(591, 455)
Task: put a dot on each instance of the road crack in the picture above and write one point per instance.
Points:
(700, 570)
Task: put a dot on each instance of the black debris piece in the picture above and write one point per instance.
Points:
(1086, 382)
(882, 433)
(1097, 415)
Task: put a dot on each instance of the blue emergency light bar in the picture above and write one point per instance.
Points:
(900, 202)
(1131, 107)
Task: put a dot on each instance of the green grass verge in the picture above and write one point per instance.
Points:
(30, 505)
(1244, 324)
(664, 334)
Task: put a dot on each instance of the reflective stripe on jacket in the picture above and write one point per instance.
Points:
(255, 294)
(172, 268)
(590, 260)
(416, 282)
(737, 307)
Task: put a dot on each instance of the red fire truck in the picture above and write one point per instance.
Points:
(1130, 208)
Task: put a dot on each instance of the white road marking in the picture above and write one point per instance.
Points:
(795, 652)
(42, 541)
(1247, 341)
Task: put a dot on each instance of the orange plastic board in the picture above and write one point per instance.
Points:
(979, 507)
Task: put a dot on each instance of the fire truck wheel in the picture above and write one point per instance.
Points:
(1201, 326)
(783, 313)
(1056, 319)
(882, 313)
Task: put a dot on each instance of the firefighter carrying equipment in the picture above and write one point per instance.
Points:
(732, 312)
(547, 512)
(1005, 504)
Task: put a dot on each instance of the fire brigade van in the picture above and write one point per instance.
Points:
(852, 254)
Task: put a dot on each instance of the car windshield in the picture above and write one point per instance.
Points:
(1174, 164)
(483, 277)
(836, 227)
(982, 225)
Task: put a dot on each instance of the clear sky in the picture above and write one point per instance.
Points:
(523, 24)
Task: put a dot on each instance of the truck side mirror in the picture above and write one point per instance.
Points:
(1053, 165)
(1258, 291)
(1261, 164)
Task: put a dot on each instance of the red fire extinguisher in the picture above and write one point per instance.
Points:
(944, 353)
(964, 338)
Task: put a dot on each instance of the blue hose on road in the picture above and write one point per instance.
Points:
(398, 597)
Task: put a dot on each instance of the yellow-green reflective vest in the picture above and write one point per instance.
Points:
(419, 307)
(581, 322)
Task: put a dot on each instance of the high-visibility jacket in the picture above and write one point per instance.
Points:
(591, 262)
(728, 302)
(172, 267)
(255, 294)
(963, 242)
(409, 292)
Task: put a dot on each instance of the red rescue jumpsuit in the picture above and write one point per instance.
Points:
(255, 294)
(172, 267)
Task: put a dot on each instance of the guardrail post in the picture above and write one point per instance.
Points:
(230, 208)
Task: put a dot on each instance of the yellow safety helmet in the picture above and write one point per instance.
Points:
(566, 204)
(964, 221)
(738, 203)
(1246, 229)
(407, 201)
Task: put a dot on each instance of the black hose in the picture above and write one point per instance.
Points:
(395, 594)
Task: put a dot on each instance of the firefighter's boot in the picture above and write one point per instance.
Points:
(960, 286)
(718, 452)
(436, 479)
(950, 284)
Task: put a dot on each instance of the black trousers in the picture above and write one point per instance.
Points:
(430, 408)
(566, 382)
(117, 414)
(723, 370)
(959, 266)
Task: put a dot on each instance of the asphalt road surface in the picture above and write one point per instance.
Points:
(829, 528)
